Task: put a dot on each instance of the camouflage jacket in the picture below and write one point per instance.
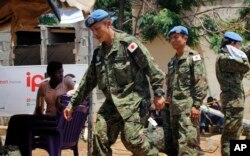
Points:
(121, 73)
(230, 73)
(186, 81)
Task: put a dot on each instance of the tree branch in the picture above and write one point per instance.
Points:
(147, 28)
(137, 18)
(213, 9)
(125, 22)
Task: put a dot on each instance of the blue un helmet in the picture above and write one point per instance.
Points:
(178, 29)
(233, 36)
(96, 16)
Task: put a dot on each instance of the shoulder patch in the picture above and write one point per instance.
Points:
(132, 47)
(196, 57)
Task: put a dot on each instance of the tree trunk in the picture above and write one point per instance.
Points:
(121, 14)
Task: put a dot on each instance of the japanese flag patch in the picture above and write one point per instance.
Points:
(197, 57)
(132, 47)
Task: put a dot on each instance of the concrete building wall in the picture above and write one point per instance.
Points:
(161, 50)
(5, 39)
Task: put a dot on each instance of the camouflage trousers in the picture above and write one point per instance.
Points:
(165, 119)
(9, 150)
(109, 124)
(233, 109)
(184, 134)
(247, 132)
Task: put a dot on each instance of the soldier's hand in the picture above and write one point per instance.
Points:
(195, 114)
(159, 102)
(67, 113)
(167, 101)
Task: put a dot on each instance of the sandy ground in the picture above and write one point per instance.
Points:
(209, 143)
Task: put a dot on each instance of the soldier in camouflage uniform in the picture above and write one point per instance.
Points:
(231, 65)
(120, 67)
(186, 89)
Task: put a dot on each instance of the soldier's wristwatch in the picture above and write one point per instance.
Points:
(159, 93)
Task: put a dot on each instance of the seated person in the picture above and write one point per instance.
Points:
(50, 90)
(210, 119)
(216, 120)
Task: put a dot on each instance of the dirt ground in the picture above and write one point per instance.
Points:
(209, 143)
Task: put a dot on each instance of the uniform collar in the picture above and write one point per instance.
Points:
(184, 55)
(116, 44)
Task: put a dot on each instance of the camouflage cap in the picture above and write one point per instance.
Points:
(96, 16)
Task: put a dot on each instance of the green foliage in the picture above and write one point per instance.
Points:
(108, 5)
(113, 6)
(153, 24)
(168, 16)
(247, 33)
(215, 41)
(244, 15)
(193, 36)
(178, 5)
(146, 23)
(48, 19)
(157, 23)
(170, 13)
(214, 36)
(165, 20)
(214, 28)
(209, 24)
(127, 26)
(247, 51)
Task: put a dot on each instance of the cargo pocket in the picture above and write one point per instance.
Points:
(191, 132)
(123, 73)
(184, 76)
(238, 79)
(170, 77)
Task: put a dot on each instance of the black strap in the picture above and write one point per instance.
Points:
(191, 65)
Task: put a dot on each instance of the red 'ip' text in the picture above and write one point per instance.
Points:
(33, 81)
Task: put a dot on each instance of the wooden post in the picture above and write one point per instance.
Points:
(81, 43)
(44, 43)
(83, 54)
(12, 55)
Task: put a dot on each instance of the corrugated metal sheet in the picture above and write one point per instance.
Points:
(27, 55)
(62, 52)
(30, 55)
